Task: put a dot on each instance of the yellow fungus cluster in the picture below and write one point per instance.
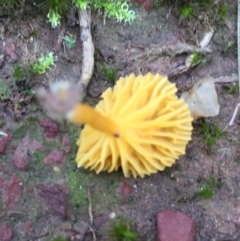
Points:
(144, 127)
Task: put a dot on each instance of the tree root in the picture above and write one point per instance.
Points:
(87, 48)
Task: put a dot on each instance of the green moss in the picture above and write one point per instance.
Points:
(43, 63)
(196, 59)
(59, 238)
(207, 191)
(31, 127)
(187, 11)
(122, 230)
(77, 189)
(109, 72)
(210, 133)
(103, 187)
(222, 12)
(37, 166)
(69, 41)
(230, 89)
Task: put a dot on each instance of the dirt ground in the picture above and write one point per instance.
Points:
(34, 212)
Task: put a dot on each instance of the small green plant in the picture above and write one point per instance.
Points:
(207, 191)
(59, 238)
(196, 59)
(5, 90)
(7, 4)
(115, 9)
(54, 18)
(58, 6)
(42, 64)
(210, 133)
(230, 44)
(232, 89)
(108, 71)
(69, 41)
(55, 9)
(186, 11)
(76, 190)
(21, 81)
(112, 8)
(19, 72)
(222, 13)
(121, 230)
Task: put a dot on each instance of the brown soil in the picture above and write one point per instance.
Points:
(217, 218)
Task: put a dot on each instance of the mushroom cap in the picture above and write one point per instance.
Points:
(154, 126)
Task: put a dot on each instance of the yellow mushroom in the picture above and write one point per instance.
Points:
(140, 125)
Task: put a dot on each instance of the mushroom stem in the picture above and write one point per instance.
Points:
(84, 114)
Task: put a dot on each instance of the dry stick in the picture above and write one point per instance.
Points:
(154, 52)
(238, 105)
(234, 115)
(38, 237)
(238, 26)
(225, 79)
(60, 37)
(90, 214)
(87, 47)
(171, 49)
(90, 206)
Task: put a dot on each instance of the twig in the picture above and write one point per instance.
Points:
(93, 233)
(238, 44)
(38, 237)
(87, 47)
(172, 49)
(226, 79)
(90, 214)
(60, 37)
(154, 52)
(238, 105)
(234, 114)
(90, 206)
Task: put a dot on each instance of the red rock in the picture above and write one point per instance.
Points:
(148, 4)
(36, 145)
(4, 141)
(20, 163)
(10, 49)
(66, 144)
(1, 183)
(175, 226)
(27, 228)
(54, 157)
(54, 198)
(12, 192)
(5, 232)
(51, 128)
(124, 190)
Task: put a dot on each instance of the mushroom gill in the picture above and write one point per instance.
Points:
(140, 125)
